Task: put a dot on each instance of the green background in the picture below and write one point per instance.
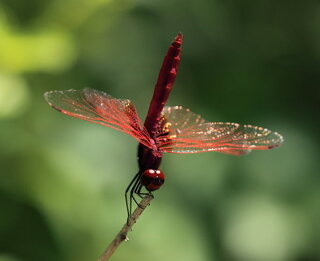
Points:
(62, 179)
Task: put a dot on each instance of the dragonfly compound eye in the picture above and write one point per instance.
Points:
(152, 179)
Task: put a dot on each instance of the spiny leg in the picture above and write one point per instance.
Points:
(132, 198)
(131, 185)
(138, 190)
(141, 194)
(137, 183)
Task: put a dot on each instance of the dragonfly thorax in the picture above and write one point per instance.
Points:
(152, 179)
(148, 158)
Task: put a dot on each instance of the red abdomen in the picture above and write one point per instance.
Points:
(164, 84)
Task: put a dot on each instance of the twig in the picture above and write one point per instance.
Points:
(122, 235)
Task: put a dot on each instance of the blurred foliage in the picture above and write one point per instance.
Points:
(62, 179)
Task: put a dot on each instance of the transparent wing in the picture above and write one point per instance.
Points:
(182, 131)
(100, 107)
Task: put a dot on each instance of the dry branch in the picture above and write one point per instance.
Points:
(122, 235)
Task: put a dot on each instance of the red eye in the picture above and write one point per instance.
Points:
(152, 179)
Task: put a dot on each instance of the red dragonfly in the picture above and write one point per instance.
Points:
(172, 129)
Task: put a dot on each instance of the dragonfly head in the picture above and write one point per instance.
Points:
(152, 179)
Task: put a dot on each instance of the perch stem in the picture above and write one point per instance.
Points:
(122, 235)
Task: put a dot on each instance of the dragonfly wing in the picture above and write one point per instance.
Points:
(101, 108)
(183, 131)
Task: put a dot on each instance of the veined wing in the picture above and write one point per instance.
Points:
(183, 131)
(101, 108)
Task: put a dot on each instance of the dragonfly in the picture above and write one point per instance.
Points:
(172, 129)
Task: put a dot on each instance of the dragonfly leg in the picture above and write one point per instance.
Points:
(133, 190)
(138, 190)
(141, 194)
(130, 187)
